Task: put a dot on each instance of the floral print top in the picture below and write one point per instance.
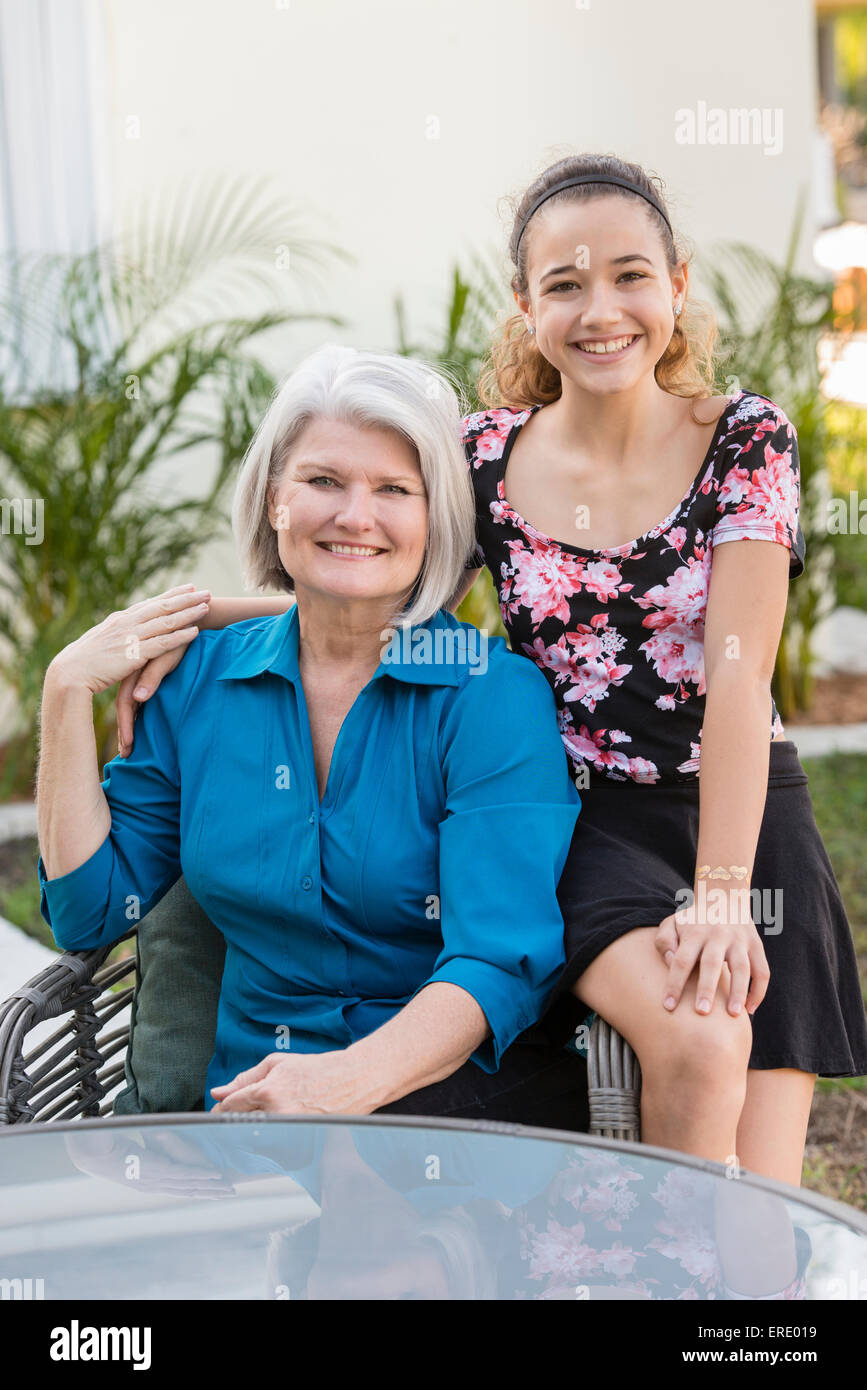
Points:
(619, 632)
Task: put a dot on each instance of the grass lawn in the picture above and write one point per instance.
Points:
(834, 1162)
(837, 1139)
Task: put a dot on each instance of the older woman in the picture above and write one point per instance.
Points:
(373, 812)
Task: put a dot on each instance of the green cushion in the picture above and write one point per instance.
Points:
(179, 970)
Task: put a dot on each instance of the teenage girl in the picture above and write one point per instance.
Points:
(608, 478)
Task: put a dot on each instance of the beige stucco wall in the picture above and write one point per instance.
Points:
(398, 125)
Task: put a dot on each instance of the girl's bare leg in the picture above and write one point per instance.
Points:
(772, 1129)
(755, 1236)
(693, 1066)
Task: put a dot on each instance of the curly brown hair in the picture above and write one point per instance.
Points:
(514, 372)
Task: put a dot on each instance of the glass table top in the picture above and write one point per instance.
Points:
(235, 1207)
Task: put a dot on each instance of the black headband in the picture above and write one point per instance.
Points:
(592, 178)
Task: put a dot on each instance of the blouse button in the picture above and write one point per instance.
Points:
(307, 882)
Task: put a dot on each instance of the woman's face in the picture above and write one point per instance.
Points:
(597, 276)
(350, 512)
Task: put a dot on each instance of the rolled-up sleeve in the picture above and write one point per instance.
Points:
(511, 812)
(139, 859)
(759, 497)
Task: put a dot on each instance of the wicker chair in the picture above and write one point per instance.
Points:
(70, 1073)
(73, 1072)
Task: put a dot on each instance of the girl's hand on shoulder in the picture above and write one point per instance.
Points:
(685, 940)
(140, 684)
(126, 641)
(135, 689)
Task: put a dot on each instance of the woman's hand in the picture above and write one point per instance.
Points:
(300, 1083)
(685, 938)
(125, 642)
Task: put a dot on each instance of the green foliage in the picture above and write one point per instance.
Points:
(458, 351)
(838, 788)
(771, 320)
(850, 52)
(847, 466)
(481, 607)
(463, 340)
(113, 365)
(20, 906)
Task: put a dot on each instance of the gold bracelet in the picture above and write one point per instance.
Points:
(736, 871)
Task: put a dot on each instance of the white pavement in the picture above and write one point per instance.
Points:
(20, 956)
(816, 740)
(839, 642)
(17, 819)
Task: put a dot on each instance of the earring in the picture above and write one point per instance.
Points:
(677, 308)
(530, 328)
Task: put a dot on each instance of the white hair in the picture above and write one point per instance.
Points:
(366, 389)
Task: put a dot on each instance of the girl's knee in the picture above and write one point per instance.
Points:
(712, 1049)
(626, 984)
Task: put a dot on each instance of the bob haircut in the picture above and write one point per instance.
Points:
(385, 391)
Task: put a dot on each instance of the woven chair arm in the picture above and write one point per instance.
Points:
(77, 985)
(614, 1084)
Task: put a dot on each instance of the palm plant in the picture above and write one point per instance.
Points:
(113, 365)
(771, 320)
(472, 310)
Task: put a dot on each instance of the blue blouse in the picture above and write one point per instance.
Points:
(434, 855)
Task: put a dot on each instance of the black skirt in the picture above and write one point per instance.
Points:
(634, 850)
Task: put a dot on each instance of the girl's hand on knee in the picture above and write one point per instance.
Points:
(754, 981)
(667, 939)
(710, 946)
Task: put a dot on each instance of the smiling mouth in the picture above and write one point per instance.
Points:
(612, 347)
(335, 548)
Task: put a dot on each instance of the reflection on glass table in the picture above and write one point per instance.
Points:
(393, 1207)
